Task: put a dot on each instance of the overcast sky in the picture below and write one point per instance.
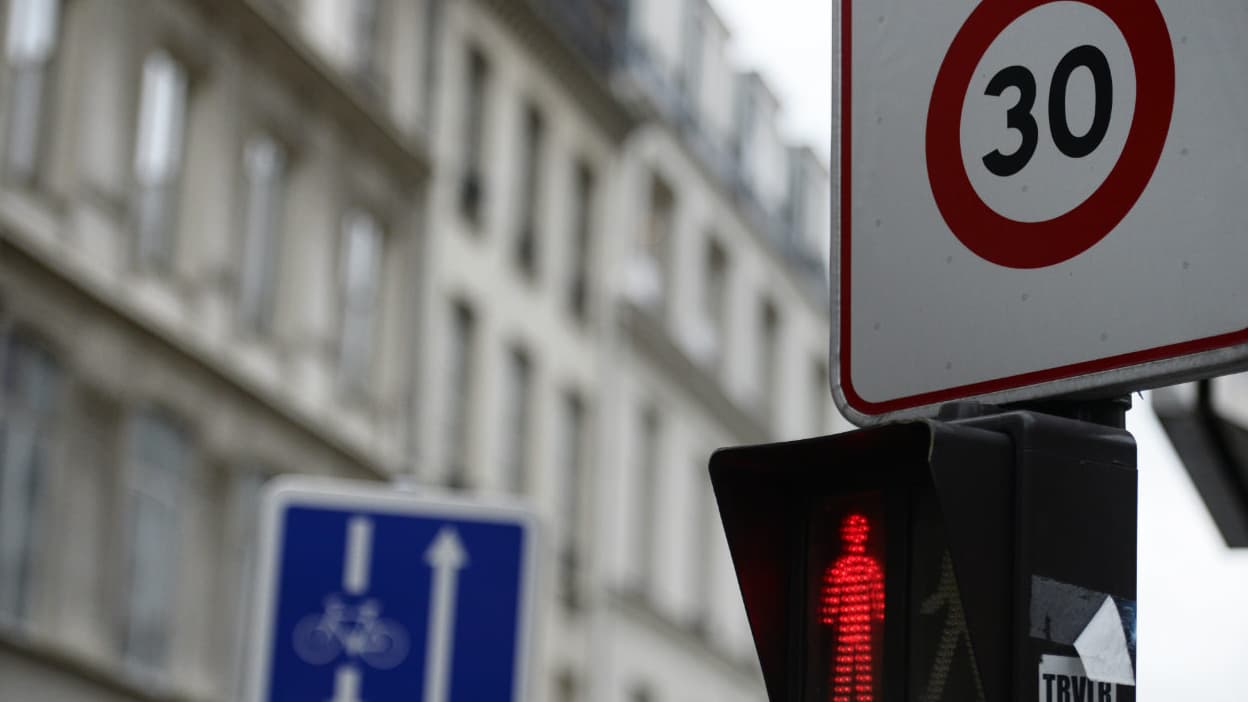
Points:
(1193, 609)
(789, 42)
(1193, 629)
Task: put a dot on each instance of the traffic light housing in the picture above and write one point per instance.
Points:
(930, 561)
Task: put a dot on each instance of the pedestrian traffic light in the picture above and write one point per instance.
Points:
(938, 561)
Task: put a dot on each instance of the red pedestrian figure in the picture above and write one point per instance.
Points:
(853, 601)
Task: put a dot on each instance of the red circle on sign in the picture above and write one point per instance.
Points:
(1014, 244)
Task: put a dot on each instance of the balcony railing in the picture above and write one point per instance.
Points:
(594, 27)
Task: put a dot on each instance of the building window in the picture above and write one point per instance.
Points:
(285, 7)
(659, 227)
(571, 462)
(159, 452)
(640, 693)
(533, 146)
(692, 46)
(472, 188)
(648, 276)
(819, 400)
(795, 210)
(647, 529)
(715, 286)
(516, 424)
(459, 375)
(362, 243)
(567, 688)
(29, 48)
(768, 358)
(264, 178)
(745, 115)
(29, 386)
(365, 45)
(158, 157)
(582, 221)
(706, 336)
(246, 488)
(704, 516)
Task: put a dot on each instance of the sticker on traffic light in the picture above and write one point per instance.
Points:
(1063, 679)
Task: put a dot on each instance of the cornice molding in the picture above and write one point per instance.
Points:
(650, 336)
(272, 40)
(590, 86)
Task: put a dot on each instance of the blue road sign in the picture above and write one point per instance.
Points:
(370, 594)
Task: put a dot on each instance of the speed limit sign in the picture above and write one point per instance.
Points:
(1038, 197)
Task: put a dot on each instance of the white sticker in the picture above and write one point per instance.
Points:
(1103, 647)
(1063, 679)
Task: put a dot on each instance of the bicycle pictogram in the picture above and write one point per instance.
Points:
(356, 631)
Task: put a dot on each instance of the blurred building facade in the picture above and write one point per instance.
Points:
(549, 248)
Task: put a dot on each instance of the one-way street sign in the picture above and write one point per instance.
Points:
(366, 593)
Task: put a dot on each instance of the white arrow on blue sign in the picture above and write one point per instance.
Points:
(367, 593)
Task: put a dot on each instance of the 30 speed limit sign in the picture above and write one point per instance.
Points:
(1038, 197)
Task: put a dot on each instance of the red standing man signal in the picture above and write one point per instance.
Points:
(852, 603)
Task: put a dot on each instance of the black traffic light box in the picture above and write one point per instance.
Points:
(935, 561)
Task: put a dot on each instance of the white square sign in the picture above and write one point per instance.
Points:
(1038, 197)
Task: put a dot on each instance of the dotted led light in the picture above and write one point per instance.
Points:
(852, 603)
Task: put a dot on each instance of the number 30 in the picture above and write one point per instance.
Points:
(1020, 118)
